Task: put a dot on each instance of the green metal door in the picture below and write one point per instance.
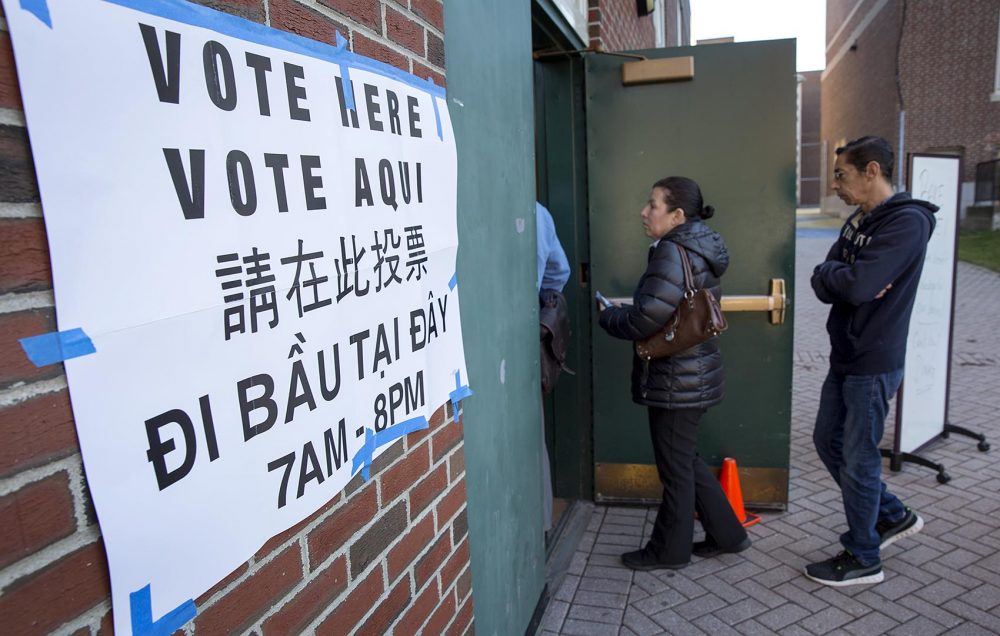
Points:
(732, 128)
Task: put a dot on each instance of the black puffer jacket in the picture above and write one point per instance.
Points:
(693, 378)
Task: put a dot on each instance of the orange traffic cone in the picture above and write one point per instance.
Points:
(730, 479)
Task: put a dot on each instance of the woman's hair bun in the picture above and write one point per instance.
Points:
(707, 212)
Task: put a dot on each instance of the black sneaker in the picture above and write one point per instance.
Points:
(705, 549)
(645, 560)
(890, 532)
(844, 569)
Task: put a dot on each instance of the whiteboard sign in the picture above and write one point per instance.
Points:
(257, 234)
(923, 406)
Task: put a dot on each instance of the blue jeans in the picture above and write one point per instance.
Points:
(849, 426)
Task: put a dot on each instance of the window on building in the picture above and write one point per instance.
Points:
(660, 23)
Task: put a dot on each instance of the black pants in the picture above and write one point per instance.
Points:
(688, 486)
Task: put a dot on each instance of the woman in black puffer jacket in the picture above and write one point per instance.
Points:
(678, 389)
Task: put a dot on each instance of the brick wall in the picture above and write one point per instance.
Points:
(947, 66)
(858, 87)
(390, 554)
(616, 26)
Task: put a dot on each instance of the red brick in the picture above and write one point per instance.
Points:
(35, 516)
(277, 540)
(464, 587)
(36, 431)
(14, 363)
(44, 600)
(236, 611)
(446, 439)
(430, 10)
(333, 532)
(107, 626)
(418, 611)
(456, 464)
(364, 12)
(404, 31)
(223, 584)
(388, 609)
(462, 620)
(318, 594)
(451, 504)
(415, 438)
(427, 490)
(10, 92)
(441, 616)
(249, 9)
(404, 474)
(372, 545)
(418, 538)
(378, 51)
(353, 608)
(288, 15)
(17, 171)
(458, 560)
(24, 255)
(428, 564)
(435, 50)
(437, 418)
(424, 72)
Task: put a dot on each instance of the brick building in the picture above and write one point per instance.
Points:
(393, 554)
(946, 98)
(614, 25)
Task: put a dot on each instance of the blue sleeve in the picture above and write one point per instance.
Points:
(891, 250)
(553, 267)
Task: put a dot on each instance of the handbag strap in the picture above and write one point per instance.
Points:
(686, 266)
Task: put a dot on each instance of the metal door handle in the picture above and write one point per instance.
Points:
(776, 302)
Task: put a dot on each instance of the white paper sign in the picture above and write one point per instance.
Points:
(268, 278)
(924, 403)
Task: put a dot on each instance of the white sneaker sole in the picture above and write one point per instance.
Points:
(909, 532)
(878, 577)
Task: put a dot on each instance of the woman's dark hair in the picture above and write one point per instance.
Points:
(862, 151)
(682, 192)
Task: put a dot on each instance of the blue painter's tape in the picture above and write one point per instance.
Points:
(141, 607)
(461, 392)
(437, 114)
(50, 348)
(195, 15)
(345, 75)
(363, 458)
(39, 9)
(453, 281)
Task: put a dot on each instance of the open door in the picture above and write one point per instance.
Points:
(732, 128)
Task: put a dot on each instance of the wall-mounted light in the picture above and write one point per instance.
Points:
(645, 7)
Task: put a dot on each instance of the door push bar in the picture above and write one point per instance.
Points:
(775, 303)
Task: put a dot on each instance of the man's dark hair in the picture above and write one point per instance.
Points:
(862, 151)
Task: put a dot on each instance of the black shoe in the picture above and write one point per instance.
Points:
(890, 532)
(645, 560)
(707, 548)
(844, 569)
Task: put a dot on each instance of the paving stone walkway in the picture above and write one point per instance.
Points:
(944, 580)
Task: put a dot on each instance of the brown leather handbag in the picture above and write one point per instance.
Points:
(698, 317)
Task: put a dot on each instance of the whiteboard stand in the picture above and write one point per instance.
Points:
(983, 445)
(922, 412)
